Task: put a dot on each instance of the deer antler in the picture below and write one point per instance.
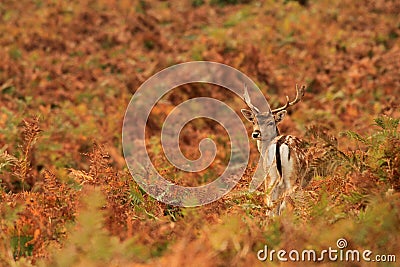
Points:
(299, 95)
(248, 101)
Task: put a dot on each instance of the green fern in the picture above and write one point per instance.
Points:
(387, 123)
(135, 196)
(355, 136)
(6, 160)
(380, 152)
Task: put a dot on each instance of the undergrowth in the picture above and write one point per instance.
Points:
(101, 217)
(69, 69)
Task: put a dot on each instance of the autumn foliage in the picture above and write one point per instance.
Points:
(69, 68)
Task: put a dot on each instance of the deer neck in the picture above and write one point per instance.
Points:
(263, 144)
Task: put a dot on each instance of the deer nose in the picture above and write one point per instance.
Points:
(256, 134)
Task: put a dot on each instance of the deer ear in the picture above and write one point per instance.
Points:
(279, 116)
(248, 114)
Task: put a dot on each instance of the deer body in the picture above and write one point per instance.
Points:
(283, 156)
(285, 165)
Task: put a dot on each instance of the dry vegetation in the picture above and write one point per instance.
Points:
(69, 68)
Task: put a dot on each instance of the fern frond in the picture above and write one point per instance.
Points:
(99, 160)
(135, 196)
(6, 160)
(303, 202)
(325, 160)
(356, 136)
(387, 123)
(30, 133)
(323, 155)
(80, 176)
(50, 183)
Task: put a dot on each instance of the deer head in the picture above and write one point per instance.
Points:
(264, 123)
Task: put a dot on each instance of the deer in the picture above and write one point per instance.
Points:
(283, 156)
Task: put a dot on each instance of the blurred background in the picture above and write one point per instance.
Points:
(69, 68)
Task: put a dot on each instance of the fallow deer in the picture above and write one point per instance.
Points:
(283, 156)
